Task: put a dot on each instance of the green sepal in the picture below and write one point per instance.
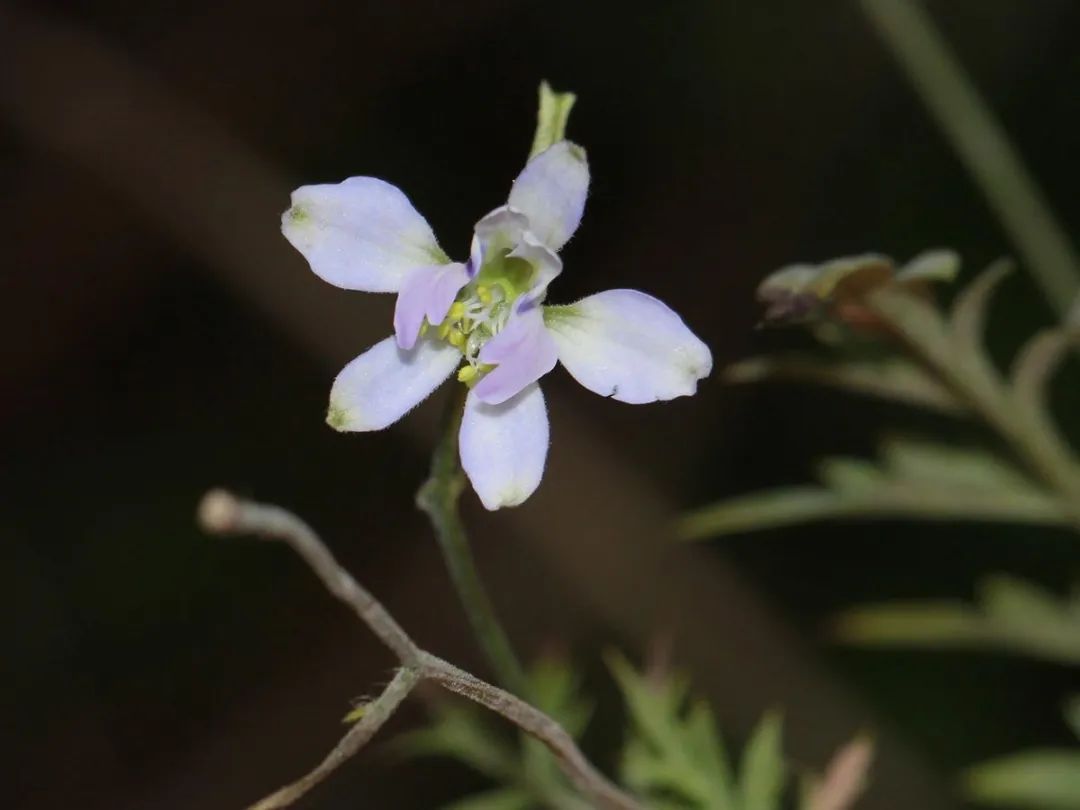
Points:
(551, 118)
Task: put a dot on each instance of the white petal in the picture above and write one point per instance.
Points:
(551, 192)
(495, 232)
(386, 382)
(629, 346)
(361, 234)
(546, 266)
(522, 353)
(504, 447)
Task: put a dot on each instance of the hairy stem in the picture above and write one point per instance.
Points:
(439, 497)
(223, 513)
(375, 715)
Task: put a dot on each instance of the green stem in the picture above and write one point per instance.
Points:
(438, 497)
(982, 145)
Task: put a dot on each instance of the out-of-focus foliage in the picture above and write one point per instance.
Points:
(1010, 615)
(526, 773)
(915, 478)
(1042, 779)
(938, 361)
(673, 757)
(934, 359)
(673, 754)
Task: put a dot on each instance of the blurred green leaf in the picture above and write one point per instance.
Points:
(915, 479)
(668, 756)
(967, 320)
(893, 378)
(461, 732)
(762, 775)
(1044, 780)
(1034, 366)
(1010, 615)
(556, 690)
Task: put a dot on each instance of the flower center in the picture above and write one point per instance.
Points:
(482, 309)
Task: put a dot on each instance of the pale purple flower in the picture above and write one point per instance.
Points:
(485, 318)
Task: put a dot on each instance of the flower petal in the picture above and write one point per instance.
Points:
(551, 192)
(426, 292)
(386, 382)
(361, 234)
(546, 265)
(522, 353)
(629, 346)
(498, 230)
(504, 447)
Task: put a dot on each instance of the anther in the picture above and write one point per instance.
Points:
(466, 373)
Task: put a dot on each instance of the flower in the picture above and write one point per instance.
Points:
(485, 318)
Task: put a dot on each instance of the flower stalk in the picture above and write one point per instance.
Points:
(439, 497)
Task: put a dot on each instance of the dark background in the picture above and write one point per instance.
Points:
(160, 337)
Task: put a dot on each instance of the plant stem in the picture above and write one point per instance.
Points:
(982, 145)
(438, 497)
(223, 513)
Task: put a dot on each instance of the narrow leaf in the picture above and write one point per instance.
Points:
(850, 476)
(1042, 780)
(765, 510)
(920, 460)
(1036, 362)
(968, 317)
(925, 624)
(1031, 374)
(763, 770)
(895, 379)
(1010, 600)
(1012, 616)
(792, 506)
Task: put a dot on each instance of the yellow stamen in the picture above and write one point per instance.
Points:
(424, 327)
(444, 330)
(457, 339)
(466, 373)
(456, 311)
(483, 292)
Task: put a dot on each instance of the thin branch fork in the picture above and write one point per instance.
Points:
(222, 513)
